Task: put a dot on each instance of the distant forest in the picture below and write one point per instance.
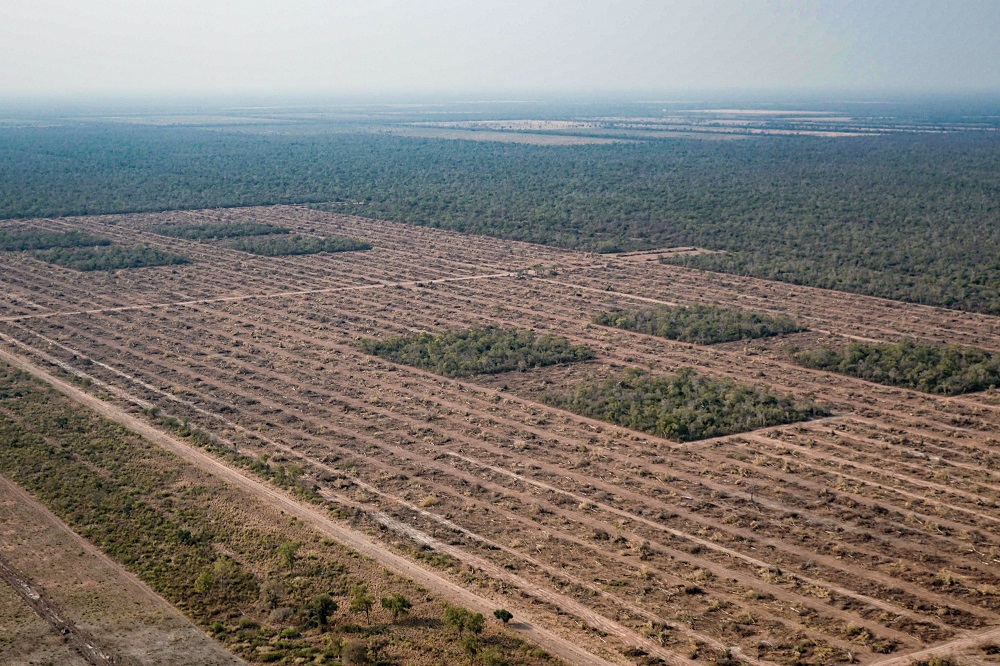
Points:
(912, 217)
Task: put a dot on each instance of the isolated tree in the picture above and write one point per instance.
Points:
(288, 551)
(321, 608)
(362, 602)
(503, 615)
(271, 594)
(396, 604)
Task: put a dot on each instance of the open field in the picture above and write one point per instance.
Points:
(855, 538)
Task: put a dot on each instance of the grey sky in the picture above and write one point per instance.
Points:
(354, 46)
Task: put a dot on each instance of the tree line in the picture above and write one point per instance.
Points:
(685, 406)
(947, 370)
(279, 246)
(210, 231)
(699, 324)
(477, 351)
(110, 257)
(906, 216)
(39, 239)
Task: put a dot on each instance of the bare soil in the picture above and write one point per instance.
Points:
(875, 532)
(89, 603)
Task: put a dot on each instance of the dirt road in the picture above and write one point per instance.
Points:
(79, 639)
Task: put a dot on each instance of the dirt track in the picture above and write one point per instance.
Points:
(80, 639)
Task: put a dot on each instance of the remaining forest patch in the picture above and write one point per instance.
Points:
(107, 258)
(699, 324)
(39, 239)
(909, 364)
(684, 407)
(278, 246)
(218, 230)
(478, 351)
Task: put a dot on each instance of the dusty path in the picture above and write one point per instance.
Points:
(79, 639)
(944, 650)
(557, 645)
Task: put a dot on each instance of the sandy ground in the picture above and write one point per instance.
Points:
(128, 618)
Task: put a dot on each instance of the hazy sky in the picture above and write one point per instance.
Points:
(352, 46)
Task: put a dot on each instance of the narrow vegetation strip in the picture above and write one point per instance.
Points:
(947, 370)
(218, 230)
(277, 246)
(39, 239)
(477, 351)
(699, 324)
(684, 407)
(110, 257)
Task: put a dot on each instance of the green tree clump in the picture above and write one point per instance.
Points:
(396, 604)
(464, 620)
(947, 370)
(218, 230)
(39, 239)
(685, 406)
(362, 601)
(279, 246)
(107, 258)
(477, 351)
(503, 615)
(699, 324)
(319, 610)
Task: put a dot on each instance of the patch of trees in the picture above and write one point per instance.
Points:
(218, 230)
(905, 216)
(699, 324)
(39, 239)
(947, 370)
(477, 351)
(279, 246)
(111, 257)
(684, 407)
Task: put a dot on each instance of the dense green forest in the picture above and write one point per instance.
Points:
(107, 258)
(477, 351)
(930, 368)
(37, 239)
(218, 230)
(905, 216)
(699, 324)
(279, 246)
(685, 406)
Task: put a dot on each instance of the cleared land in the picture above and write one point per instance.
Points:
(859, 537)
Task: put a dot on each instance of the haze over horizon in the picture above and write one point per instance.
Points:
(225, 47)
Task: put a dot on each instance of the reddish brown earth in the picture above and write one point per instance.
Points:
(859, 537)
